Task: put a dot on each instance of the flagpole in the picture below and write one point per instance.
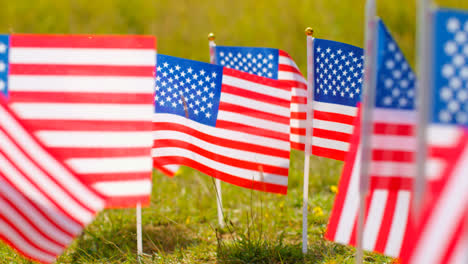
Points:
(139, 232)
(368, 102)
(308, 133)
(219, 198)
(423, 95)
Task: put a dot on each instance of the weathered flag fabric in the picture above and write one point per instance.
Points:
(228, 124)
(441, 236)
(90, 99)
(338, 81)
(391, 168)
(275, 64)
(43, 205)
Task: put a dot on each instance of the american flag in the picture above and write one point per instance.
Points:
(338, 80)
(441, 236)
(275, 64)
(43, 205)
(90, 99)
(228, 124)
(391, 167)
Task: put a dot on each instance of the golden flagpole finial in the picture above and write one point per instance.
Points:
(211, 36)
(309, 31)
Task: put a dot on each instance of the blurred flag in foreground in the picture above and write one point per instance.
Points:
(275, 64)
(392, 164)
(228, 124)
(441, 236)
(90, 99)
(43, 205)
(338, 71)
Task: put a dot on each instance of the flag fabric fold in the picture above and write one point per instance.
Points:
(43, 205)
(90, 99)
(392, 161)
(228, 124)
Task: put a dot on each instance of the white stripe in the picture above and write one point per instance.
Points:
(290, 76)
(394, 116)
(350, 206)
(124, 188)
(399, 221)
(220, 150)
(252, 121)
(172, 168)
(100, 139)
(299, 92)
(333, 126)
(53, 167)
(27, 229)
(252, 103)
(287, 61)
(83, 56)
(330, 143)
(223, 133)
(445, 215)
(393, 143)
(22, 244)
(256, 87)
(225, 168)
(110, 112)
(460, 252)
(392, 169)
(443, 135)
(374, 218)
(335, 108)
(81, 84)
(111, 165)
(298, 108)
(434, 168)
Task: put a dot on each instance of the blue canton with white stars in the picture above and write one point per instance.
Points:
(395, 78)
(339, 72)
(259, 61)
(4, 48)
(450, 98)
(188, 88)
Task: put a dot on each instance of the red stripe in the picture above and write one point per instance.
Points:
(83, 41)
(220, 158)
(299, 115)
(455, 238)
(65, 153)
(294, 84)
(88, 125)
(91, 178)
(391, 183)
(255, 96)
(24, 253)
(387, 222)
(127, 201)
(334, 117)
(255, 185)
(81, 70)
(332, 135)
(255, 78)
(298, 131)
(297, 146)
(392, 155)
(224, 142)
(162, 169)
(393, 129)
(283, 53)
(252, 130)
(299, 100)
(288, 68)
(353, 238)
(329, 153)
(247, 111)
(77, 97)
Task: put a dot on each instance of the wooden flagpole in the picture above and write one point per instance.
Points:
(219, 198)
(308, 134)
(368, 102)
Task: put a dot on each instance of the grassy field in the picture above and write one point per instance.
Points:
(180, 225)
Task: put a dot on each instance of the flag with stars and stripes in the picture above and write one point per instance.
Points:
(226, 123)
(338, 71)
(275, 64)
(90, 99)
(391, 167)
(43, 204)
(441, 236)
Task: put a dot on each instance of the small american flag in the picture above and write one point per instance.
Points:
(43, 205)
(391, 168)
(441, 236)
(90, 99)
(338, 80)
(228, 124)
(275, 64)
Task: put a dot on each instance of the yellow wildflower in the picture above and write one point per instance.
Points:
(333, 189)
(317, 211)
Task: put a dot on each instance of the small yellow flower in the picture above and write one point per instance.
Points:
(281, 205)
(267, 215)
(187, 221)
(333, 189)
(317, 211)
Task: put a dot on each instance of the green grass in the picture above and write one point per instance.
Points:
(180, 225)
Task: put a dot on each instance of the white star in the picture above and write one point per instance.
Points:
(208, 115)
(209, 105)
(3, 48)
(158, 68)
(328, 50)
(453, 24)
(450, 48)
(161, 103)
(211, 95)
(196, 111)
(202, 72)
(165, 65)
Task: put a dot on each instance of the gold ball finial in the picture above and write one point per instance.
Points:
(211, 36)
(309, 31)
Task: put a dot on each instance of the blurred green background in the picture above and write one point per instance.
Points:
(180, 225)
